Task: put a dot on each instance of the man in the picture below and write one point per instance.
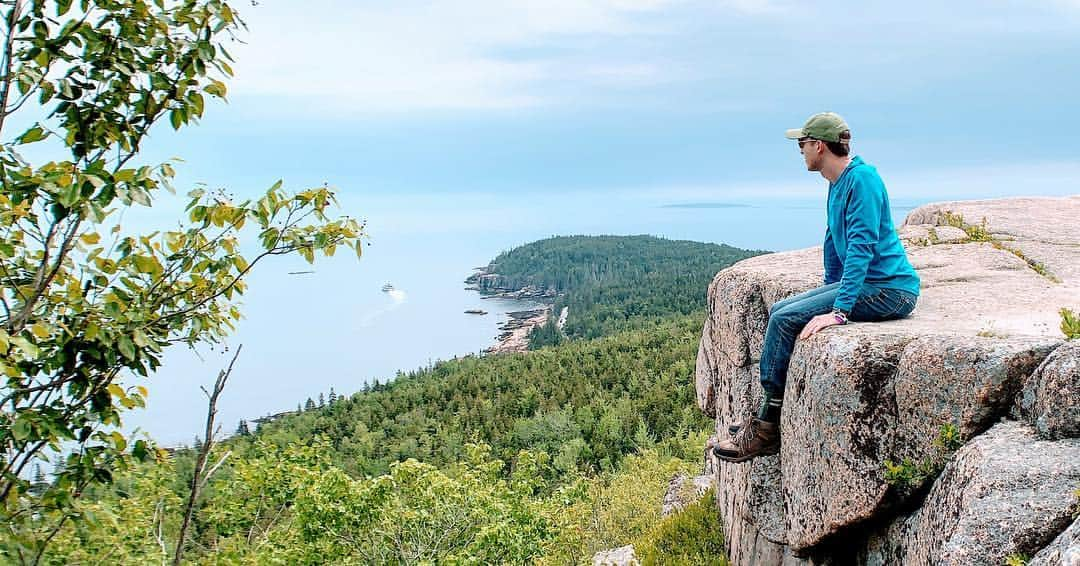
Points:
(868, 277)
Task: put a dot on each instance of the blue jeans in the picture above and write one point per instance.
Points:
(788, 317)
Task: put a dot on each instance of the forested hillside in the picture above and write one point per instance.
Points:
(586, 403)
(540, 457)
(614, 282)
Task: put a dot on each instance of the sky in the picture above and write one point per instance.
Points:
(672, 99)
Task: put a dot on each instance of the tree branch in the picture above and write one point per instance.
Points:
(199, 476)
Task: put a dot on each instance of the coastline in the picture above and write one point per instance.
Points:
(514, 332)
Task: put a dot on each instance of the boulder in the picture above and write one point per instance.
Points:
(622, 556)
(1064, 551)
(1005, 493)
(1050, 400)
(683, 490)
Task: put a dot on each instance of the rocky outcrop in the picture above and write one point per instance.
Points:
(1050, 398)
(683, 490)
(514, 333)
(622, 556)
(983, 344)
(1064, 551)
(1006, 493)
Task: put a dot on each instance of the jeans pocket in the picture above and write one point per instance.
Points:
(902, 303)
(882, 304)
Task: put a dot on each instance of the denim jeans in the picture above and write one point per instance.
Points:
(788, 317)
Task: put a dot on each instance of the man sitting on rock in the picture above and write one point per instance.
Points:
(868, 277)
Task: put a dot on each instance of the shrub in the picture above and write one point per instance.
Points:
(692, 536)
(908, 476)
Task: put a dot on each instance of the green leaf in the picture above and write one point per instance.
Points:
(145, 264)
(21, 429)
(140, 196)
(28, 348)
(127, 347)
(140, 338)
(32, 135)
(39, 329)
(176, 119)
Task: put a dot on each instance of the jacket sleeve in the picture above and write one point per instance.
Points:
(863, 215)
(833, 266)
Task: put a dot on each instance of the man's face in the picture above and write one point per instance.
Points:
(813, 153)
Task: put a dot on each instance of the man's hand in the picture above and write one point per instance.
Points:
(816, 324)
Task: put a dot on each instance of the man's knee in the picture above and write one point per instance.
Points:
(785, 320)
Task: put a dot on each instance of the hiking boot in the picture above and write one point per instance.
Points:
(754, 438)
(733, 429)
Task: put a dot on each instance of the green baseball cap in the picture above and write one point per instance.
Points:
(825, 126)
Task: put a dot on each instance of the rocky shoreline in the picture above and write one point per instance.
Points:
(514, 332)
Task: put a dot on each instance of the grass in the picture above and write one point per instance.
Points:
(1070, 324)
(989, 332)
(981, 233)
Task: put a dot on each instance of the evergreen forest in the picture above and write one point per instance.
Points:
(611, 283)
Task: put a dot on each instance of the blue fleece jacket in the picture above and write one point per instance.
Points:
(862, 250)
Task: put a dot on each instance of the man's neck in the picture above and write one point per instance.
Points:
(832, 168)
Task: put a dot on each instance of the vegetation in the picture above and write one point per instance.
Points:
(908, 476)
(688, 538)
(981, 233)
(87, 308)
(615, 282)
(293, 506)
(1070, 324)
(1017, 560)
(587, 403)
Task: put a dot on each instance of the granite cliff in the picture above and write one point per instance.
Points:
(949, 437)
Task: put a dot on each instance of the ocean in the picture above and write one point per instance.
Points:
(312, 329)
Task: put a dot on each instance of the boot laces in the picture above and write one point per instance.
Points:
(747, 433)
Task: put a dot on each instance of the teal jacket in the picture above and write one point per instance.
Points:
(862, 250)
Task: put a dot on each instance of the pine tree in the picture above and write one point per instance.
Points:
(322, 401)
(333, 396)
(242, 429)
(309, 405)
(39, 483)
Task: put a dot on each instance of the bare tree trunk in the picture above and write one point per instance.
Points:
(201, 474)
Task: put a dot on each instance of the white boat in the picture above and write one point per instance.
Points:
(387, 288)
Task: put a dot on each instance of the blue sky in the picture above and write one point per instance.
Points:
(685, 99)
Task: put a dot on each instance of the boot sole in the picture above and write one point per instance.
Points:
(738, 459)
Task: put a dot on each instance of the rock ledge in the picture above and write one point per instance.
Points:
(982, 359)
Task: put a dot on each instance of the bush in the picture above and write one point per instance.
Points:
(693, 536)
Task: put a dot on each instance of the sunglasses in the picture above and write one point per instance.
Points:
(805, 141)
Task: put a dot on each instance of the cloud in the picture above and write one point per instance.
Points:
(376, 57)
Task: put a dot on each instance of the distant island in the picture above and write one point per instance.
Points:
(707, 205)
